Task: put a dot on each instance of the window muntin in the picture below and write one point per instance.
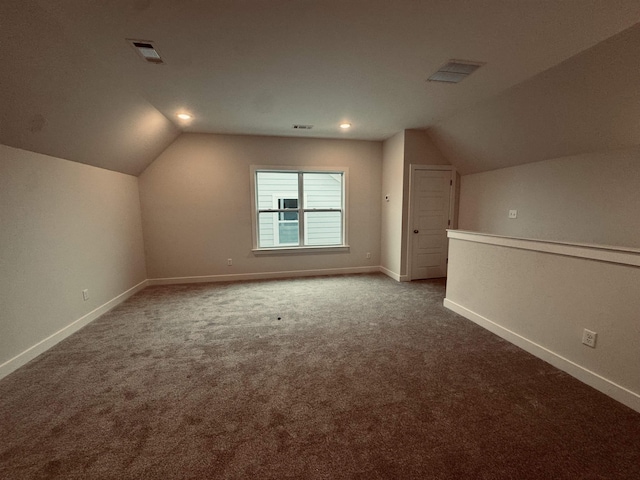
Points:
(283, 220)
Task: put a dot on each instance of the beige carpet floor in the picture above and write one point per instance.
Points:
(351, 377)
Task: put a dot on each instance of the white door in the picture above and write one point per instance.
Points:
(430, 207)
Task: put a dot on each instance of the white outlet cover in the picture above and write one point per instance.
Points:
(513, 213)
(589, 338)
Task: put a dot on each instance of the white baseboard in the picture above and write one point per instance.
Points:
(613, 390)
(396, 276)
(262, 276)
(32, 352)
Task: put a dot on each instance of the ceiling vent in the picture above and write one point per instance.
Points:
(302, 127)
(146, 50)
(455, 71)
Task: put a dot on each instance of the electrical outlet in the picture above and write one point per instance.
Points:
(229, 261)
(368, 254)
(589, 338)
(513, 213)
(85, 294)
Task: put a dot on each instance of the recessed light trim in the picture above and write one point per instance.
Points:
(345, 125)
(184, 116)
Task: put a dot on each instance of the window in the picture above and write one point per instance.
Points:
(286, 232)
(297, 209)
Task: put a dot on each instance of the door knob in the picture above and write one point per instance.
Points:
(416, 231)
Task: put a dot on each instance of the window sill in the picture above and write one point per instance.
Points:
(300, 250)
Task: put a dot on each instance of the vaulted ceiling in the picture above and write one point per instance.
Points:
(71, 86)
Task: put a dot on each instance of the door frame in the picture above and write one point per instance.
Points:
(453, 207)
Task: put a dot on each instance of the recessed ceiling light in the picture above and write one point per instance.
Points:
(345, 125)
(184, 116)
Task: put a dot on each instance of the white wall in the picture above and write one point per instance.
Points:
(592, 198)
(392, 186)
(418, 150)
(541, 296)
(65, 227)
(197, 212)
(543, 301)
(406, 148)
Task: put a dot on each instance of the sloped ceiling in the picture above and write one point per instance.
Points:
(589, 103)
(71, 86)
(62, 98)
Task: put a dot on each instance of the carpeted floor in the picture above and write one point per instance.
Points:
(352, 377)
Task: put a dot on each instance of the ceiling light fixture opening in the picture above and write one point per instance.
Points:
(184, 116)
(345, 125)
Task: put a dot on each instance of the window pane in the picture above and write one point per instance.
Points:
(272, 186)
(323, 228)
(288, 230)
(288, 203)
(267, 223)
(322, 190)
(274, 232)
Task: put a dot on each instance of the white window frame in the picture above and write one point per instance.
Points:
(344, 247)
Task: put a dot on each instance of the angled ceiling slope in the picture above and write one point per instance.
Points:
(72, 87)
(589, 103)
(62, 98)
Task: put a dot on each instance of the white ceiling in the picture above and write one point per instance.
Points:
(72, 87)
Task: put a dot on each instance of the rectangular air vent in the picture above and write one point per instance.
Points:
(455, 71)
(302, 127)
(146, 50)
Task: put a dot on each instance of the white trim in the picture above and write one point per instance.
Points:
(42, 346)
(262, 276)
(342, 171)
(396, 276)
(609, 254)
(300, 250)
(432, 167)
(452, 210)
(615, 391)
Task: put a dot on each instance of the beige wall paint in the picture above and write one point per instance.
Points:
(593, 198)
(588, 103)
(419, 149)
(196, 204)
(392, 186)
(65, 227)
(406, 148)
(543, 301)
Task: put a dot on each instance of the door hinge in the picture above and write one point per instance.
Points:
(449, 222)
(450, 182)
(447, 260)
